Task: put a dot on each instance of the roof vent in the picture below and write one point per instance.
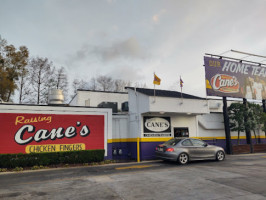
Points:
(56, 97)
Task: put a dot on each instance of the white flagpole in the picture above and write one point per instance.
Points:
(181, 86)
(154, 85)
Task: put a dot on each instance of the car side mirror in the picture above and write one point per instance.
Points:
(205, 145)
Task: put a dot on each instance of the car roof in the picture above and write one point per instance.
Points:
(182, 138)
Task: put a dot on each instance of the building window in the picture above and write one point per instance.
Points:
(181, 132)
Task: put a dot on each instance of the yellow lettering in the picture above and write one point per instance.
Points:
(23, 120)
(54, 148)
(213, 63)
(49, 119)
(19, 119)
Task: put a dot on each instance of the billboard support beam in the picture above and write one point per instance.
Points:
(247, 130)
(227, 128)
(249, 54)
(236, 59)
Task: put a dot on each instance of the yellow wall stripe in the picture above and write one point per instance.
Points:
(163, 139)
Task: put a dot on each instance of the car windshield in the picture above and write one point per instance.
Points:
(172, 142)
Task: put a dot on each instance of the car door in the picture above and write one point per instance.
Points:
(201, 149)
(189, 148)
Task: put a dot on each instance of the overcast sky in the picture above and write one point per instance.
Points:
(132, 39)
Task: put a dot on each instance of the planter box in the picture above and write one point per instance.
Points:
(259, 148)
(245, 148)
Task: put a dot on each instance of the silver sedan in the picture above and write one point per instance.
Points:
(184, 150)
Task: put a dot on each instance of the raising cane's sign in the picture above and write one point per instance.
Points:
(37, 133)
(234, 79)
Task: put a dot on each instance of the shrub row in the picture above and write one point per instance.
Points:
(53, 158)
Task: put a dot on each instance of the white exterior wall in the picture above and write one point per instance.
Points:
(120, 127)
(176, 105)
(212, 125)
(178, 121)
(96, 98)
(138, 103)
(185, 121)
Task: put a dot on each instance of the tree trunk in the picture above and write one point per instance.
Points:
(21, 90)
(9, 95)
(39, 85)
(255, 136)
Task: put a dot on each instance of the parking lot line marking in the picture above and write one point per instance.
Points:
(134, 167)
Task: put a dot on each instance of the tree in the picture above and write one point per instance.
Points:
(140, 85)
(119, 85)
(24, 85)
(105, 83)
(255, 113)
(78, 84)
(11, 63)
(60, 81)
(41, 71)
(263, 121)
(93, 84)
(236, 112)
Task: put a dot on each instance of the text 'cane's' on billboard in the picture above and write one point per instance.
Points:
(227, 78)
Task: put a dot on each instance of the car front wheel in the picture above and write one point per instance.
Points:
(220, 156)
(182, 159)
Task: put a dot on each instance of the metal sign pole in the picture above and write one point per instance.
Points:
(227, 128)
(248, 134)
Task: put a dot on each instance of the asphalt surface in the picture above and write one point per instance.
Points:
(239, 177)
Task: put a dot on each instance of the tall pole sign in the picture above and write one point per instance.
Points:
(227, 128)
(230, 78)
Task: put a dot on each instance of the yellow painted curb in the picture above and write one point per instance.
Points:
(134, 167)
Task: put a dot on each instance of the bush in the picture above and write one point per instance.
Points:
(18, 169)
(3, 169)
(44, 159)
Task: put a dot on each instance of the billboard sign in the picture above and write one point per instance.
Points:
(227, 78)
(37, 133)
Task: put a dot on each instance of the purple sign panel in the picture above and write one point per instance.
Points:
(227, 78)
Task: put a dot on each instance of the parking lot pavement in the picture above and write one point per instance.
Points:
(238, 177)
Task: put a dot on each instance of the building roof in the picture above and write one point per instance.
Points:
(83, 90)
(164, 93)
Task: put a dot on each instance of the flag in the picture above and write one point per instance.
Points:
(156, 80)
(181, 82)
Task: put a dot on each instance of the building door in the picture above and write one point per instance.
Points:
(181, 132)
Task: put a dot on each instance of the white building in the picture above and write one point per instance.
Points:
(92, 98)
(150, 120)
(182, 114)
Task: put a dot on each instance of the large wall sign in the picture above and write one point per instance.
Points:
(36, 133)
(156, 126)
(234, 79)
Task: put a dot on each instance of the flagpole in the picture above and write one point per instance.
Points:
(154, 86)
(181, 86)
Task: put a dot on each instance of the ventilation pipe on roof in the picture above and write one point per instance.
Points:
(55, 97)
